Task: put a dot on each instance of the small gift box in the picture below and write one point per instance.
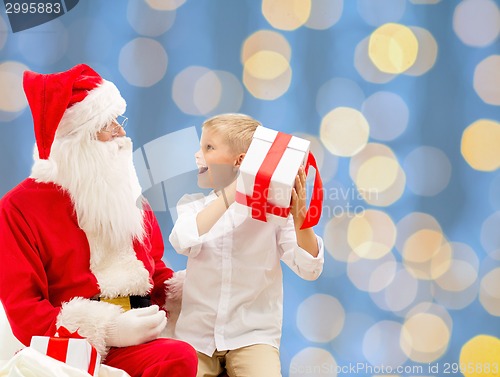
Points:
(70, 348)
(267, 176)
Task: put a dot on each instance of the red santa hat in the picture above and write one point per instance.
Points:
(76, 102)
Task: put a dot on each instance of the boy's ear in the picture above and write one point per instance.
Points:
(239, 159)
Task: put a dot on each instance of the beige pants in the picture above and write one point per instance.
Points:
(253, 361)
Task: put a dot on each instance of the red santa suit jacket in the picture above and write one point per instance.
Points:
(45, 274)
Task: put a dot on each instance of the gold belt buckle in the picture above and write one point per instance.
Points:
(124, 302)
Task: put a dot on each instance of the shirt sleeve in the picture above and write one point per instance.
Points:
(298, 259)
(184, 236)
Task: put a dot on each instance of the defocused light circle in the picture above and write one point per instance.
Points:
(477, 22)
(381, 344)
(335, 238)
(387, 113)
(265, 40)
(207, 92)
(487, 80)
(489, 294)
(165, 4)
(424, 337)
(308, 360)
(199, 91)
(427, 52)
(393, 48)
(378, 156)
(377, 174)
(399, 294)
(142, 72)
(324, 14)
(147, 20)
(482, 353)
(371, 275)
(12, 97)
(344, 131)
(267, 89)
(328, 314)
(428, 171)
(266, 65)
(463, 270)
(286, 14)
(230, 96)
(365, 66)
(411, 224)
(371, 234)
(480, 143)
(427, 254)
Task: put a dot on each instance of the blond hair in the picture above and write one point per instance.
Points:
(237, 129)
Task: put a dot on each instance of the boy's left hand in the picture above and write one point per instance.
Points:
(299, 197)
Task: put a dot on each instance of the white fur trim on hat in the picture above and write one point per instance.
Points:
(96, 110)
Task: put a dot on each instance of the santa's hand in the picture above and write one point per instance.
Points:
(136, 326)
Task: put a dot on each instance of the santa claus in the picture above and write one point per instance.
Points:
(79, 246)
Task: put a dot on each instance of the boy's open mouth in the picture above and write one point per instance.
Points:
(202, 169)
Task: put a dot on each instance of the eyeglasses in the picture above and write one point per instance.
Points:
(116, 125)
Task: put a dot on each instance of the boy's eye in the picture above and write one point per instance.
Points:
(209, 147)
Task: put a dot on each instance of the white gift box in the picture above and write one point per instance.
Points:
(275, 156)
(75, 352)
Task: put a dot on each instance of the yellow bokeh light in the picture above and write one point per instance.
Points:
(480, 357)
(267, 89)
(480, 145)
(412, 223)
(371, 234)
(344, 131)
(265, 40)
(424, 337)
(286, 14)
(373, 195)
(393, 48)
(427, 254)
(266, 65)
(377, 174)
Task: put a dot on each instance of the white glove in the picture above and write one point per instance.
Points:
(136, 326)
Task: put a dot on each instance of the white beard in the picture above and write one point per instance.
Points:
(102, 182)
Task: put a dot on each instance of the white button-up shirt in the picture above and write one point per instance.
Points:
(233, 292)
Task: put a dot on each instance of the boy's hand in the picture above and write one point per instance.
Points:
(299, 196)
(306, 238)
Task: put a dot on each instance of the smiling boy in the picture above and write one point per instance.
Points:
(232, 303)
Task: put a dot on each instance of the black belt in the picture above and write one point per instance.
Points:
(127, 302)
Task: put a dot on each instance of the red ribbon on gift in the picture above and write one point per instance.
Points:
(258, 202)
(58, 347)
(316, 205)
